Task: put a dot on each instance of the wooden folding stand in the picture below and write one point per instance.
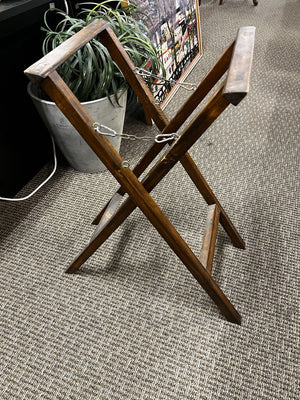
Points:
(237, 59)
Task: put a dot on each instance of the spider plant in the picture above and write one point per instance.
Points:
(91, 73)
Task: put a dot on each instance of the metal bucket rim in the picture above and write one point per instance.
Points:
(35, 97)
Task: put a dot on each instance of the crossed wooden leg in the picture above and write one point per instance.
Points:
(236, 87)
(139, 196)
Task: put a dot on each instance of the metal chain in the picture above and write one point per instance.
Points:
(161, 137)
(106, 131)
(147, 74)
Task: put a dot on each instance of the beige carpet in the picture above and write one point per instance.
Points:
(134, 324)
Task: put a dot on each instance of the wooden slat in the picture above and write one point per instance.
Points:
(47, 64)
(238, 78)
(210, 198)
(210, 236)
(108, 212)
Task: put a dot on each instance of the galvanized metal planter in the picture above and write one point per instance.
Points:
(79, 155)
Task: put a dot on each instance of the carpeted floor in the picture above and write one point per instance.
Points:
(134, 324)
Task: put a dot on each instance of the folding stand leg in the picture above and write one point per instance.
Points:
(210, 199)
(136, 82)
(140, 197)
(113, 218)
(210, 236)
(178, 151)
(235, 89)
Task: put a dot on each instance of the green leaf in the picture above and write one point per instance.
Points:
(91, 73)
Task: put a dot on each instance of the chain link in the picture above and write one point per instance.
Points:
(106, 131)
(161, 137)
(147, 74)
